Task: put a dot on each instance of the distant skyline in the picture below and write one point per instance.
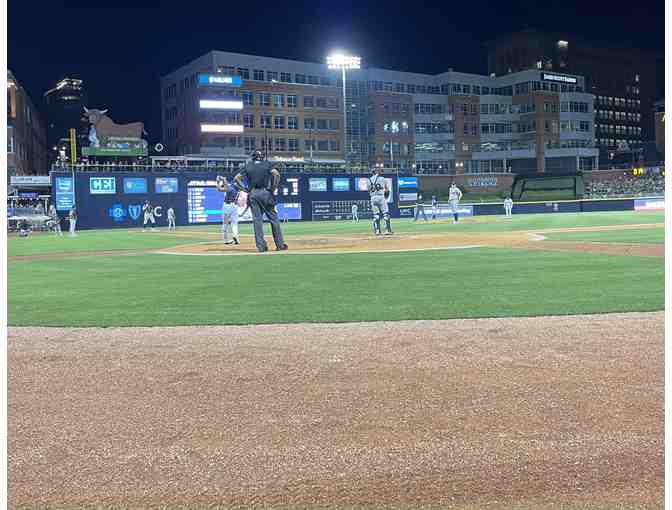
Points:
(120, 50)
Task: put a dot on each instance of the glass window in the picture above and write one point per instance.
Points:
(333, 124)
(293, 145)
(308, 123)
(300, 78)
(313, 80)
(280, 144)
(332, 103)
(323, 145)
(279, 123)
(249, 143)
(286, 77)
(243, 73)
(248, 120)
(321, 102)
(322, 124)
(258, 75)
(474, 109)
(278, 100)
(248, 98)
(308, 101)
(272, 75)
(334, 145)
(325, 81)
(292, 122)
(291, 100)
(265, 99)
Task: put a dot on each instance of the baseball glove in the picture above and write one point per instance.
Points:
(387, 193)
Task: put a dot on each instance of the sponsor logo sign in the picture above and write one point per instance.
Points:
(558, 77)
(649, 204)
(482, 182)
(102, 185)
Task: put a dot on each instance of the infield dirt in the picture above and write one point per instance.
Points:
(492, 413)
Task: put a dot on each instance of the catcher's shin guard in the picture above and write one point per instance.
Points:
(376, 223)
(388, 226)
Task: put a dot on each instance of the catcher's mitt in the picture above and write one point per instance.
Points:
(387, 193)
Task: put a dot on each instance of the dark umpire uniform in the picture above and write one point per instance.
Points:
(262, 181)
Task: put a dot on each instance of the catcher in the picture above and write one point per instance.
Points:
(379, 192)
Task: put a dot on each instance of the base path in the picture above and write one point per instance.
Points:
(479, 413)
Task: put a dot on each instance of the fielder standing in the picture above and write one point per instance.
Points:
(435, 204)
(229, 209)
(419, 209)
(355, 216)
(171, 218)
(454, 196)
(379, 191)
(508, 206)
(55, 220)
(148, 215)
(263, 181)
(72, 218)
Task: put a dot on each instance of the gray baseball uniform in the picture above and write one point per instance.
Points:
(379, 203)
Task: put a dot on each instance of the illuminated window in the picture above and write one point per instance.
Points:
(563, 45)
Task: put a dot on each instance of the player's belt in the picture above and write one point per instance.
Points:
(229, 201)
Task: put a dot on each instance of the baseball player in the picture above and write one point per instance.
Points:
(171, 218)
(435, 203)
(72, 218)
(55, 221)
(229, 209)
(355, 216)
(508, 206)
(379, 191)
(454, 196)
(419, 209)
(148, 215)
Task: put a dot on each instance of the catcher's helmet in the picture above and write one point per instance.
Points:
(257, 156)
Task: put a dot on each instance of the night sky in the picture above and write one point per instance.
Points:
(121, 50)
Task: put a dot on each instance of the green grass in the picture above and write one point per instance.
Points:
(639, 236)
(164, 290)
(94, 240)
(152, 289)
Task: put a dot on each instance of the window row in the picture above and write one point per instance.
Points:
(525, 88)
(396, 127)
(402, 108)
(434, 127)
(291, 122)
(290, 100)
(618, 101)
(264, 75)
(496, 128)
(612, 115)
(619, 130)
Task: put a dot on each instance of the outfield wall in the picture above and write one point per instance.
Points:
(115, 199)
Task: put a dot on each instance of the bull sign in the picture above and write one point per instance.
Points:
(108, 138)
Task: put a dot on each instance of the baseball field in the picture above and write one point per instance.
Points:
(497, 363)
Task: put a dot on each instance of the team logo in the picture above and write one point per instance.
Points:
(157, 211)
(117, 212)
(134, 211)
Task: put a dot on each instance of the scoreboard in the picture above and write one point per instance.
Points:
(340, 209)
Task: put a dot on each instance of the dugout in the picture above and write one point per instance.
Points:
(557, 186)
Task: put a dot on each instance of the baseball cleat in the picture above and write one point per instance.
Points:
(229, 242)
(236, 241)
(282, 248)
(389, 233)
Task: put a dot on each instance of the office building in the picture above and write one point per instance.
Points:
(26, 133)
(623, 80)
(447, 123)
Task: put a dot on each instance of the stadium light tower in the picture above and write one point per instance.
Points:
(343, 62)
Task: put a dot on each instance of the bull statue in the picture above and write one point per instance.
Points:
(102, 128)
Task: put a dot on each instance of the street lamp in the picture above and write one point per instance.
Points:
(343, 62)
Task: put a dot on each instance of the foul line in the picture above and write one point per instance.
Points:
(321, 252)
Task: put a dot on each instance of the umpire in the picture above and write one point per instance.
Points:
(262, 180)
